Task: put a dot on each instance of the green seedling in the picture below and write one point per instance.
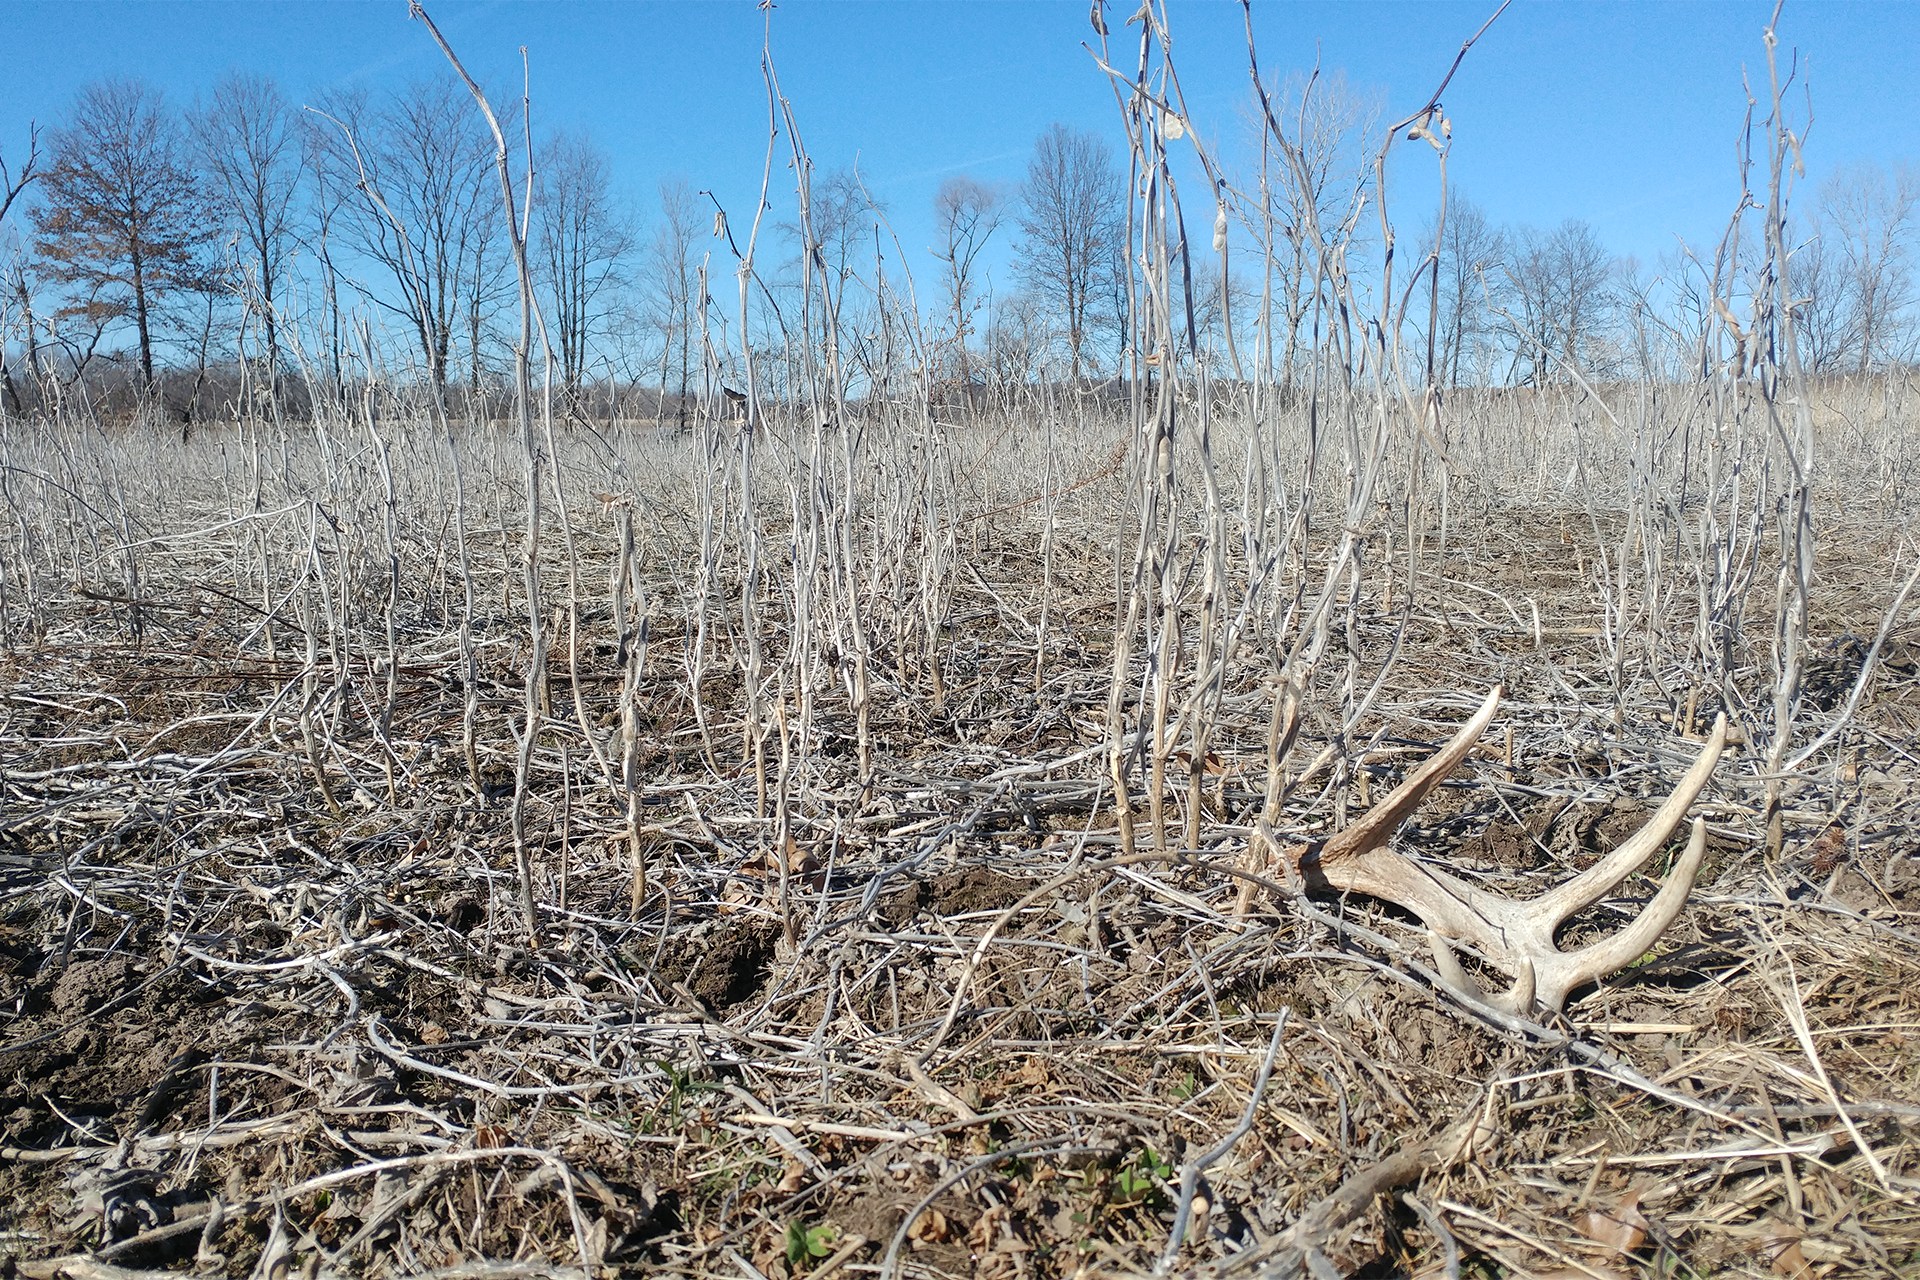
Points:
(804, 1243)
(1136, 1179)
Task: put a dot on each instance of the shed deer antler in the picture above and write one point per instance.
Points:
(1516, 936)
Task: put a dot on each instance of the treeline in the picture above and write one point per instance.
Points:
(243, 252)
(1521, 305)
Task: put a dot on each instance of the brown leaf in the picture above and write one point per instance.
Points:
(1209, 763)
(1829, 851)
(433, 1033)
(930, 1228)
(1792, 1263)
(1620, 1229)
(987, 1230)
(794, 1180)
(1781, 1245)
(1034, 1076)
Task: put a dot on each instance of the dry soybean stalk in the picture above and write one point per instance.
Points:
(388, 516)
(754, 728)
(530, 551)
(1786, 390)
(706, 574)
(587, 730)
(632, 656)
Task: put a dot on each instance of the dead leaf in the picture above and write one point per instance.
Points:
(1829, 851)
(433, 1033)
(1790, 1262)
(930, 1228)
(987, 1230)
(1780, 1243)
(1209, 763)
(1620, 1229)
(1032, 1077)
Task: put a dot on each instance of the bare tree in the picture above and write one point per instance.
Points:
(843, 216)
(1471, 251)
(427, 212)
(1528, 306)
(13, 281)
(583, 240)
(197, 325)
(1072, 222)
(250, 150)
(673, 283)
(1642, 314)
(11, 187)
(1822, 304)
(1585, 272)
(121, 223)
(966, 213)
(1667, 318)
(1308, 194)
(1209, 313)
(485, 283)
(1557, 300)
(1869, 217)
(333, 176)
(1019, 337)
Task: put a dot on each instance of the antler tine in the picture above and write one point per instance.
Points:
(1600, 879)
(1377, 826)
(1615, 952)
(1518, 999)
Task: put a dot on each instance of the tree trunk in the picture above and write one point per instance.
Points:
(140, 318)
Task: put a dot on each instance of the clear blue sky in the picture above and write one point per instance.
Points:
(1623, 114)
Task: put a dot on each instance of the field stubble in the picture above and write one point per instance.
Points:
(270, 1005)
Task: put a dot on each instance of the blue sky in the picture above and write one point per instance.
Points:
(1625, 114)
